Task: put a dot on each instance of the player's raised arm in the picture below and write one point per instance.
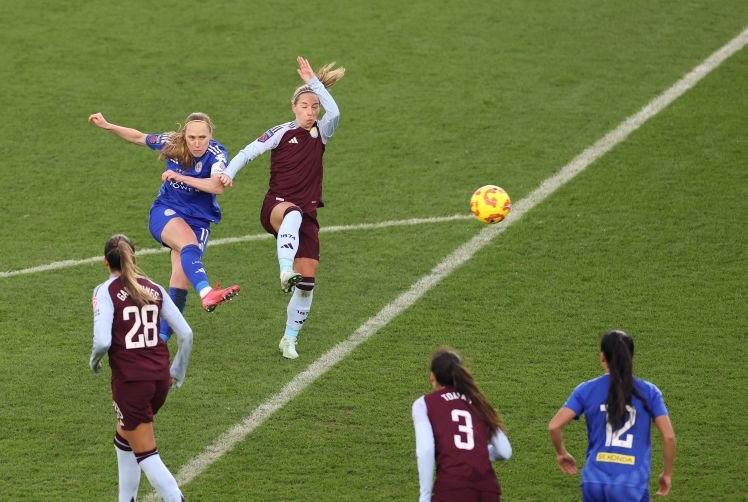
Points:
(127, 133)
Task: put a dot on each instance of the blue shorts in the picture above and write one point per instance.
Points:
(161, 215)
(612, 492)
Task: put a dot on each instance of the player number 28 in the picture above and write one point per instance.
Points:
(145, 317)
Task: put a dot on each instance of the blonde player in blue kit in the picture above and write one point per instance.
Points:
(619, 409)
(289, 209)
(186, 205)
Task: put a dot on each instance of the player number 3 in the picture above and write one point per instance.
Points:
(464, 422)
(145, 317)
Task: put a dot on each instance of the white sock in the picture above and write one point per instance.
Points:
(298, 309)
(161, 479)
(288, 237)
(129, 471)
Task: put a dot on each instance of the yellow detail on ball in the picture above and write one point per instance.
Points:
(490, 204)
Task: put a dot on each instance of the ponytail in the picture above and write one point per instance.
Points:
(618, 349)
(449, 371)
(120, 254)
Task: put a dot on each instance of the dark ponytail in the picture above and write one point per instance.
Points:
(449, 371)
(618, 348)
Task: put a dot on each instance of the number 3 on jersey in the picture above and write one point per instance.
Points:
(145, 317)
(464, 422)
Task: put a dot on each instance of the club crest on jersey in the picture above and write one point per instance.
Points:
(156, 139)
(169, 212)
(313, 132)
(198, 167)
(265, 136)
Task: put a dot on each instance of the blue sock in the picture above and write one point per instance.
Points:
(179, 296)
(192, 264)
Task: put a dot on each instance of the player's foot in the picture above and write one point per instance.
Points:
(217, 296)
(289, 279)
(288, 347)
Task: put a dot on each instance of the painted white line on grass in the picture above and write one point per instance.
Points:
(234, 240)
(461, 255)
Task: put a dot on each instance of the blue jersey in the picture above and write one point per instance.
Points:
(184, 199)
(623, 456)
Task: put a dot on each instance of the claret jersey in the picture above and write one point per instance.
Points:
(183, 198)
(128, 332)
(296, 155)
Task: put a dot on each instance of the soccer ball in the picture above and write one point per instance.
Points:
(490, 204)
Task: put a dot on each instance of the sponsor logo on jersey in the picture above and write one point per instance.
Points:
(313, 132)
(615, 458)
(293, 140)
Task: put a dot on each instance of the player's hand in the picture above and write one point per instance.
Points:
(567, 463)
(170, 175)
(225, 180)
(98, 120)
(663, 485)
(305, 69)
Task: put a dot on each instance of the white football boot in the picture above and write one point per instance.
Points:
(288, 347)
(289, 278)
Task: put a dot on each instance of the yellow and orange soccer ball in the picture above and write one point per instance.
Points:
(490, 204)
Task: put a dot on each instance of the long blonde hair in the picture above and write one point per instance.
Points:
(120, 254)
(326, 75)
(176, 144)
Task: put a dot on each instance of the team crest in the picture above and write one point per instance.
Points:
(313, 132)
(169, 212)
(265, 136)
(198, 167)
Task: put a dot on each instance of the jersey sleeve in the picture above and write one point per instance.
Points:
(425, 449)
(219, 160)
(576, 400)
(267, 141)
(656, 401)
(171, 314)
(103, 316)
(499, 447)
(329, 121)
(156, 141)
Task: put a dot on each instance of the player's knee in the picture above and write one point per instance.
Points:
(305, 284)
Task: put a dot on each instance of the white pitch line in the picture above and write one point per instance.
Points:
(461, 255)
(58, 265)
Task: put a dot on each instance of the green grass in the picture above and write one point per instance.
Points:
(437, 101)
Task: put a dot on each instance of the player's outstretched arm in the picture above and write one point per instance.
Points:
(127, 133)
